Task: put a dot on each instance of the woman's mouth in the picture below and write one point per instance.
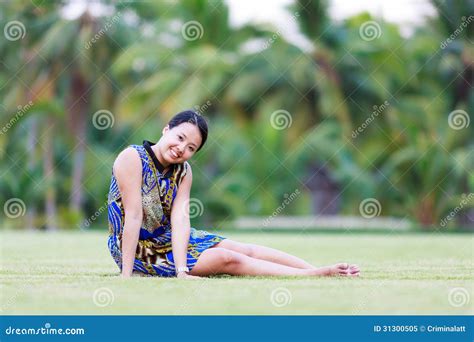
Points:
(173, 154)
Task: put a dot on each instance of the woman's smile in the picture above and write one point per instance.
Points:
(174, 154)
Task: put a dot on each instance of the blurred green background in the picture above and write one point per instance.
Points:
(362, 112)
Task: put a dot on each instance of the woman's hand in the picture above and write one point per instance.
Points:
(184, 275)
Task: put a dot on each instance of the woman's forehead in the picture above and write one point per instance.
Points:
(191, 131)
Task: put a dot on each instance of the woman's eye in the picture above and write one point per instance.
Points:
(191, 149)
(180, 137)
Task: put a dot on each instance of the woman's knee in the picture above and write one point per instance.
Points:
(247, 249)
(216, 260)
(222, 257)
(251, 250)
(225, 256)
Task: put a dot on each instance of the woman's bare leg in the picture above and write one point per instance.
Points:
(224, 261)
(265, 253)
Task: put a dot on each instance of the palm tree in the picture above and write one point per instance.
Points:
(69, 82)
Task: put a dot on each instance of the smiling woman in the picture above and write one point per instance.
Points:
(149, 226)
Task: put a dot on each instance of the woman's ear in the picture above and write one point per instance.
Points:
(166, 129)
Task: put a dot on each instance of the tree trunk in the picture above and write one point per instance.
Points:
(324, 191)
(32, 161)
(425, 212)
(78, 107)
(48, 167)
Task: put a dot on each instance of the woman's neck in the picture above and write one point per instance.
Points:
(158, 155)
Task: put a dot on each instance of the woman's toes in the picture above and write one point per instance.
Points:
(343, 266)
(340, 269)
(354, 272)
(348, 270)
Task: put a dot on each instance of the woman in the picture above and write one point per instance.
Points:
(149, 225)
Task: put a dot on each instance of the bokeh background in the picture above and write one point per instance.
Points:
(353, 116)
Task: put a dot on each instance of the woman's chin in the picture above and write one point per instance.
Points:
(173, 161)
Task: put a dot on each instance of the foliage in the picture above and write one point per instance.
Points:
(373, 112)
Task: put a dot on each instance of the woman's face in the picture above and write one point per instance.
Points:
(179, 143)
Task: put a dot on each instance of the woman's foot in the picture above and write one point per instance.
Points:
(341, 269)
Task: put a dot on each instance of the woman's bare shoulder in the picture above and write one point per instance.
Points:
(127, 162)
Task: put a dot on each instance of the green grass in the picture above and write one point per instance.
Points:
(58, 273)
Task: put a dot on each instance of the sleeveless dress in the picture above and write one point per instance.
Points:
(154, 255)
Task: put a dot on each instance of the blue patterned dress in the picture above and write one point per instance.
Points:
(154, 256)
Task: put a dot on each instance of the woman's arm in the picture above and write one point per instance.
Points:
(128, 172)
(180, 225)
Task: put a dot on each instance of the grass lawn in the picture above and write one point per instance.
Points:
(73, 273)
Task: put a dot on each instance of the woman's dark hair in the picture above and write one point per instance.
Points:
(193, 118)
